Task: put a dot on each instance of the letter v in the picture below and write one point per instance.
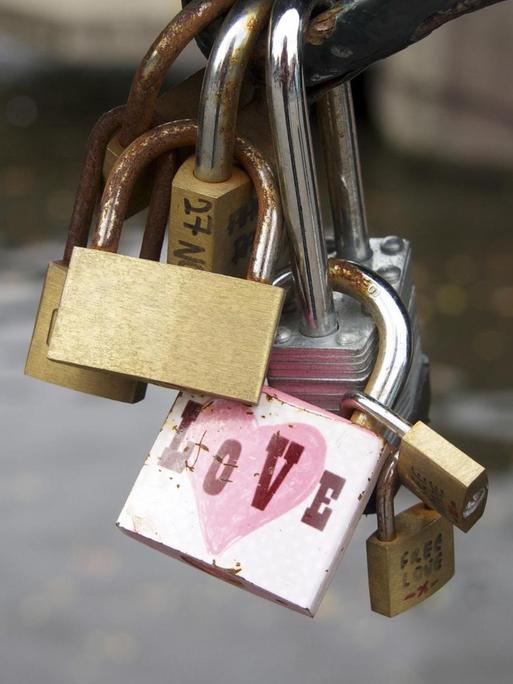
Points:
(278, 446)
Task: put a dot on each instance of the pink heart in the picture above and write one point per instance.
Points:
(225, 497)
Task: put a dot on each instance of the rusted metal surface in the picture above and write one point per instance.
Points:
(89, 187)
(158, 210)
(165, 138)
(89, 184)
(348, 37)
(165, 49)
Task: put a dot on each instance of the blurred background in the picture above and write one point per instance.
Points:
(80, 603)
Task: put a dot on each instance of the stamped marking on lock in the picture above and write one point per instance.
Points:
(269, 494)
(414, 565)
(211, 232)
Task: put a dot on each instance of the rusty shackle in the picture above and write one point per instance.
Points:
(89, 186)
(164, 138)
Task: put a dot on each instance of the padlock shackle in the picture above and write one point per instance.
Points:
(220, 93)
(89, 187)
(395, 348)
(354, 399)
(150, 75)
(340, 147)
(289, 117)
(158, 208)
(388, 482)
(170, 136)
(392, 321)
(90, 181)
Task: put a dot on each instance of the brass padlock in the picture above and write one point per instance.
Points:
(163, 323)
(411, 556)
(141, 108)
(213, 206)
(38, 365)
(436, 471)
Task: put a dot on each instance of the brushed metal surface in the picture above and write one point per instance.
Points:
(167, 324)
(39, 366)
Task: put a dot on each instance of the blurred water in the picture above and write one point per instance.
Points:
(80, 603)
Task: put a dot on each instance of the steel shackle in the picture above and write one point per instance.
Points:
(392, 321)
(340, 147)
(391, 318)
(165, 138)
(289, 116)
(220, 93)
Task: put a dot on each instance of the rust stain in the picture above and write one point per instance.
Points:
(90, 182)
(350, 274)
(150, 75)
(322, 26)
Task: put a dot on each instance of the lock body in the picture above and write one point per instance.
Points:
(263, 497)
(212, 225)
(412, 566)
(443, 476)
(166, 324)
(38, 365)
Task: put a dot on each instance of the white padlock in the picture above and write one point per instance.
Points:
(265, 497)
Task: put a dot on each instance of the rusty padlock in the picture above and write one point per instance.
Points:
(168, 324)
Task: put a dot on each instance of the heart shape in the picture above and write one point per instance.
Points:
(231, 457)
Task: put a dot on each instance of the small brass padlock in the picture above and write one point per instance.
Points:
(436, 471)
(213, 206)
(411, 556)
(38, 365)
(167, 324)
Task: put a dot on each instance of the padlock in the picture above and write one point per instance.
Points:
(224, 487)
(164, 323)
(327, 345)
(141, 109)
(38, 365)
(213, 206)
(411, 556)
(431, 467)
(264, 497)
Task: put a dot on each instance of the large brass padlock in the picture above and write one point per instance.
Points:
(411, 556)
(436, 471)
(167, 324)
(38, 365)
(213, 206)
